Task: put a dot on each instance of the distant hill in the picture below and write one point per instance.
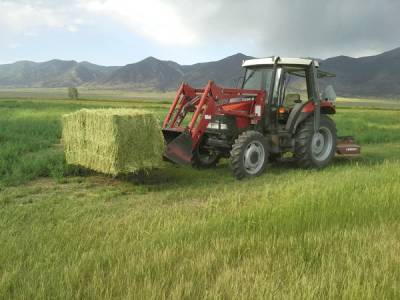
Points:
(224, 72)
(377, 76)
(149, 73)
(54, 73)
(157, 74)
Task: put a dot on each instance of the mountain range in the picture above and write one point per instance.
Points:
(374, 76)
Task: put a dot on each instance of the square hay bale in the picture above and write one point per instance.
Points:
(113, 141)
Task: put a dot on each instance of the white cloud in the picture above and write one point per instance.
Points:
(72, 28)
(31, 33)
(156, 20)
(257, 27)
(14, 45)
(29, 17)
(18, 17)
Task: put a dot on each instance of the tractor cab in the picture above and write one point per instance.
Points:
(289, 82)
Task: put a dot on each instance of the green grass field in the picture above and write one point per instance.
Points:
(184, 233)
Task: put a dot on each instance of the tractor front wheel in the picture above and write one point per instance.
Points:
(315, 149)
(249, 154)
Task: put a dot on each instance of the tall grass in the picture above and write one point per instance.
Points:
(184, 233)
(370, 125)
(292, 234)
(30, 134)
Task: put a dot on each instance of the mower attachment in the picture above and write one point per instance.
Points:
(346, 146)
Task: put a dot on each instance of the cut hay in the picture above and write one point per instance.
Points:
(113, 141)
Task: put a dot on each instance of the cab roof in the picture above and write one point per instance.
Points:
(269, 61)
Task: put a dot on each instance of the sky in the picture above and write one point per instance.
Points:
(118, 32)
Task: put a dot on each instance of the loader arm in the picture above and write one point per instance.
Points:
(205, 103)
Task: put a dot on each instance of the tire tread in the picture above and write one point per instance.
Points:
(305, 131)
(237, 149)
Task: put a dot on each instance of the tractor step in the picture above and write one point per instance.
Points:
(347, 146)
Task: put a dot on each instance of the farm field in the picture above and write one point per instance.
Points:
(97, 94)
(84, 93)
(183, 233)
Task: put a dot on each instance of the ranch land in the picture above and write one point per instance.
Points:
(178, 232)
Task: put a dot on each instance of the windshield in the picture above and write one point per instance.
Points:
(257, 79)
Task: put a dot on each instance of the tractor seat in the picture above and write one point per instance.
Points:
(291, 100)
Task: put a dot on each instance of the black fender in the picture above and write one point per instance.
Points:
(300, 119)
(297, 116)
(328, 110)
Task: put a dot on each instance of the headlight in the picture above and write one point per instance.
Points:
(221, 126)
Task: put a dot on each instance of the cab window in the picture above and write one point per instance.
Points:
(257, 79)
(294, 89)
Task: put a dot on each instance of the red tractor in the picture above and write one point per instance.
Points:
(278, 114)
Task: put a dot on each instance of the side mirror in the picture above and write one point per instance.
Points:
(329, 94)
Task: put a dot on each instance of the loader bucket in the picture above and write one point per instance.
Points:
(179, 146)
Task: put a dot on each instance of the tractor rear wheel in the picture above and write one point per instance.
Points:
(249, 154)
(315, 149)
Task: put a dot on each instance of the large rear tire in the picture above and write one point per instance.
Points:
(315, 150)
(249, 155)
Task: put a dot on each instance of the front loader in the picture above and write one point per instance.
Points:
(277, 114)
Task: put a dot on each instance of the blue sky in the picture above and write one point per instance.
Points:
(107, 43)
(118, 32)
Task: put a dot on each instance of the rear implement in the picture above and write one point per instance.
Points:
(348, 147)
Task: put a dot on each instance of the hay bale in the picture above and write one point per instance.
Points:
(113, 141)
